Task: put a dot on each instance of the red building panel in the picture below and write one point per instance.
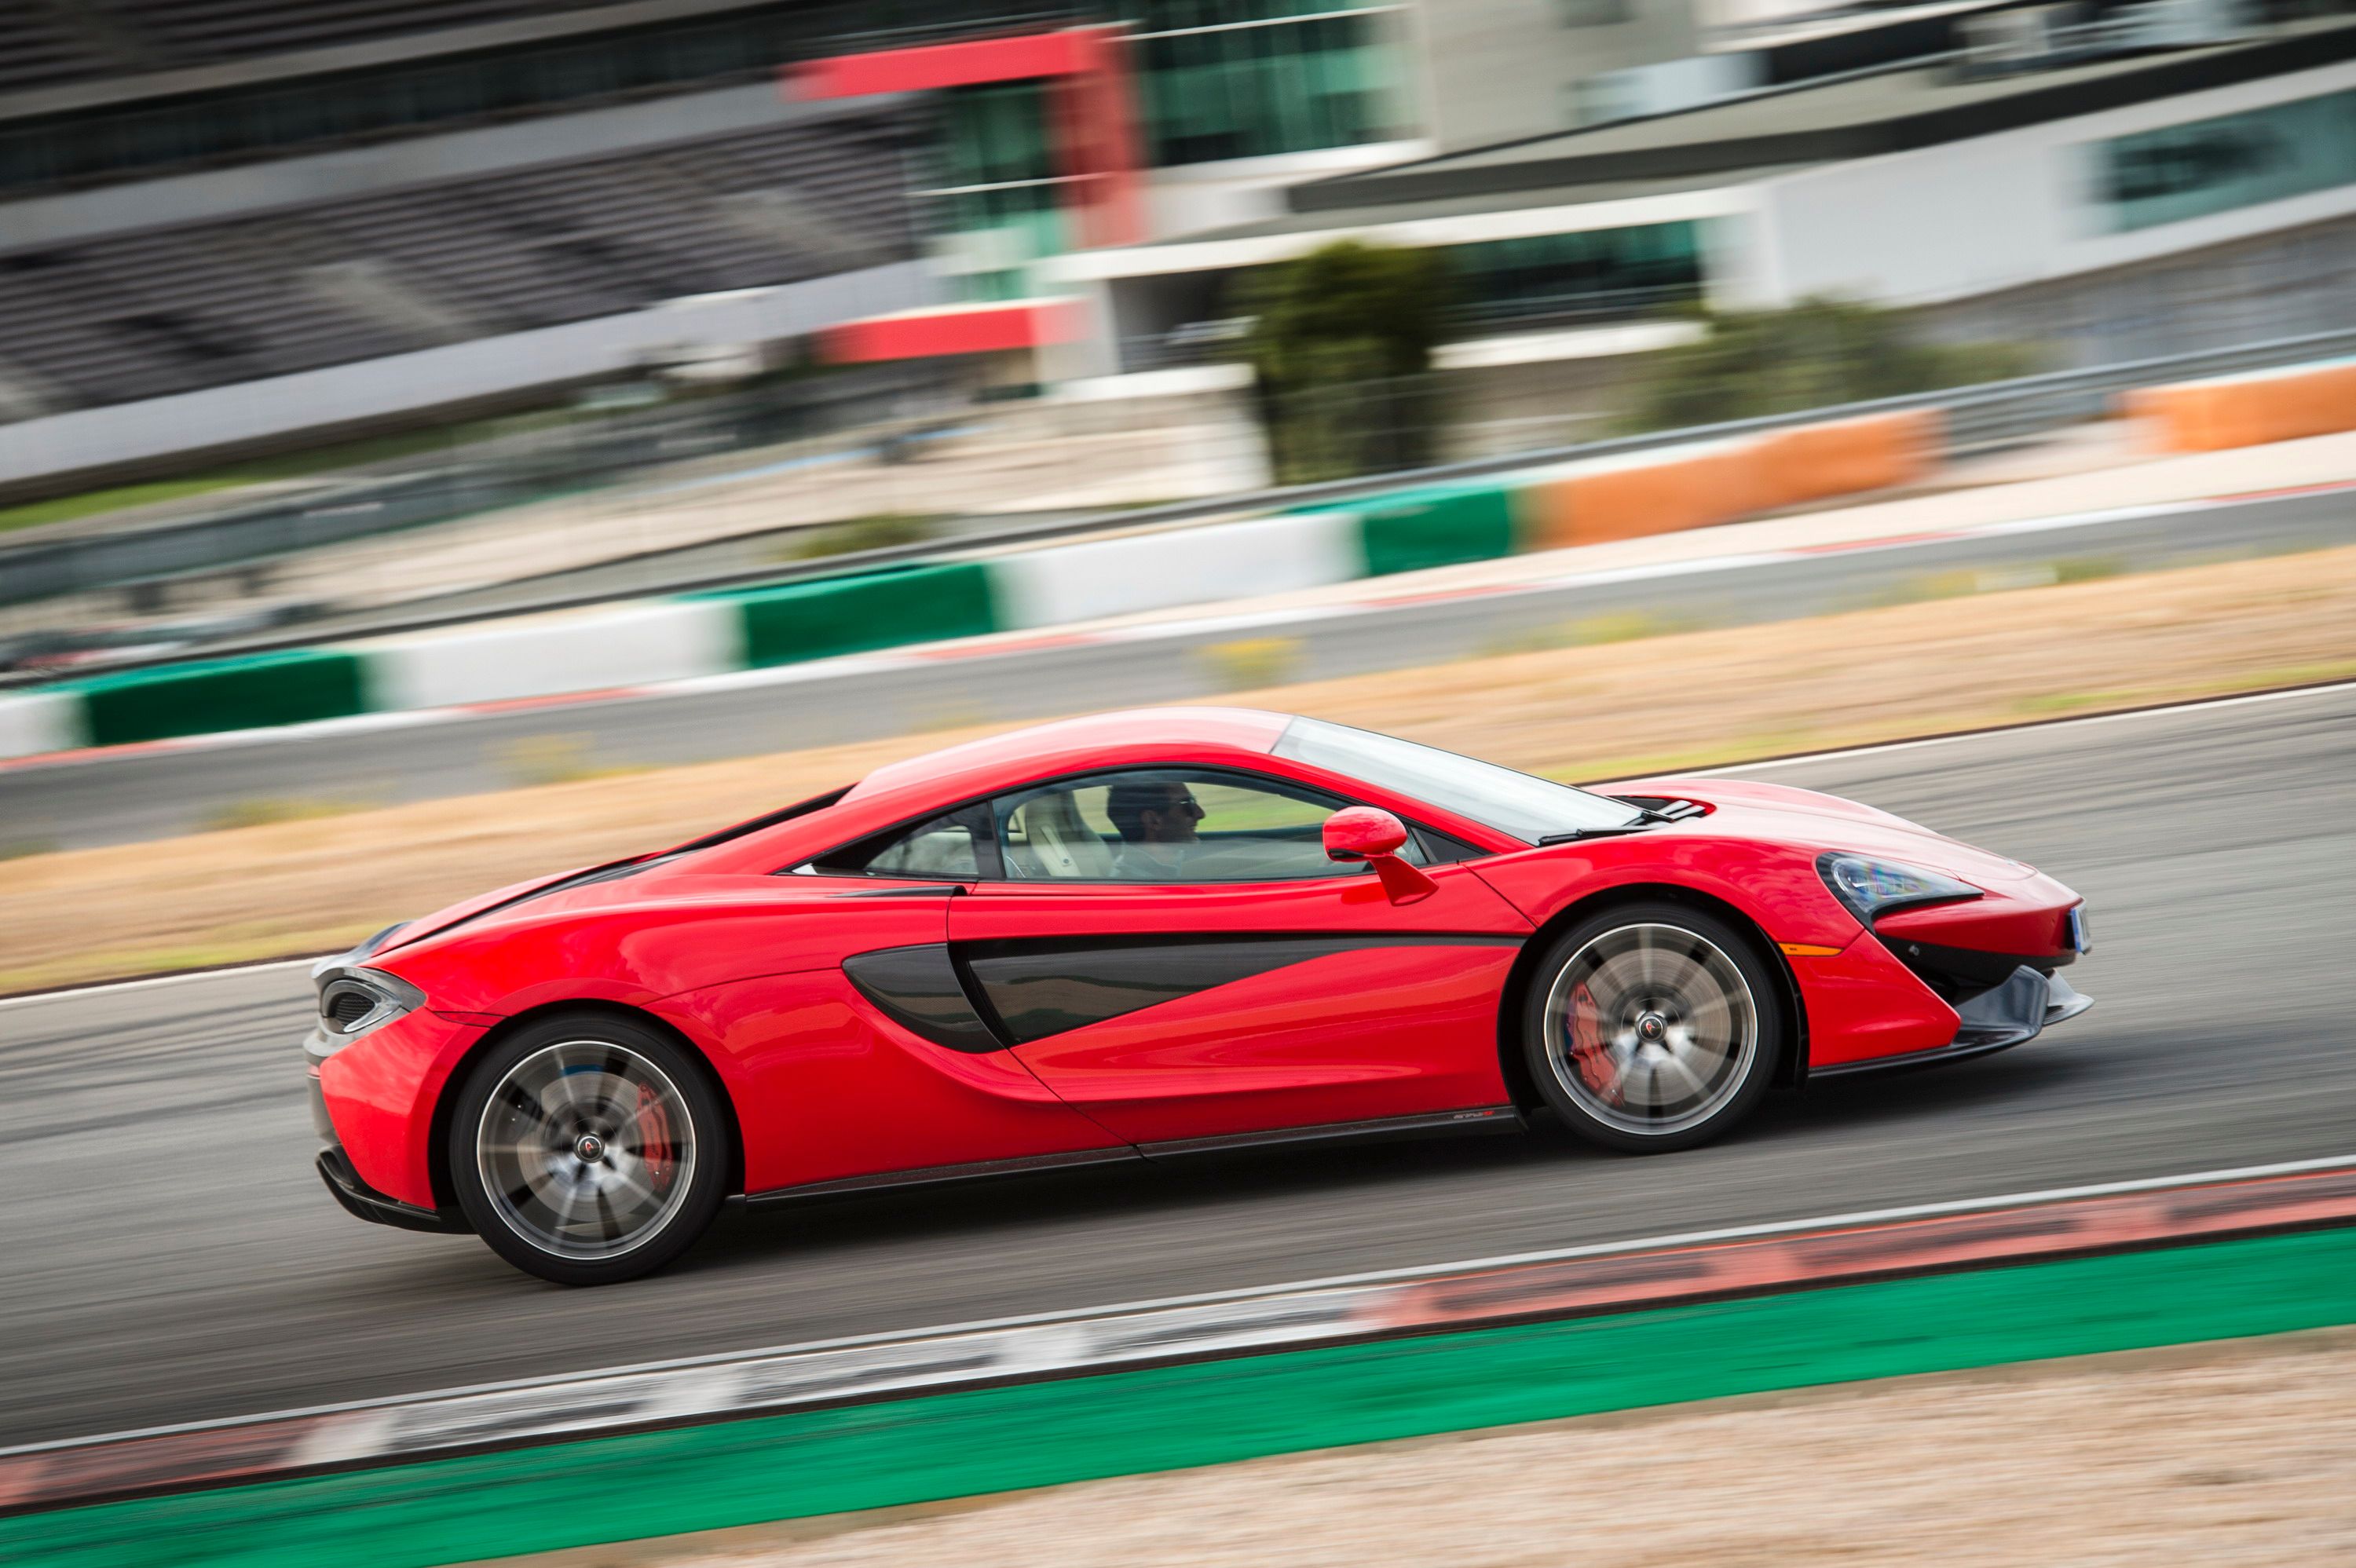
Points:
(931, 67)
(960, 329)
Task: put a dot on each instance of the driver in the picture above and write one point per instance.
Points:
(1156, 820)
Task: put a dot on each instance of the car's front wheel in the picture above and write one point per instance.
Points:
(588, 1149)
(1653, 1027)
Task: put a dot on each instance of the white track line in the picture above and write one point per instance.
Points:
(2192, 703)
(1297, 1287)
(183, 979)
(2159, 711)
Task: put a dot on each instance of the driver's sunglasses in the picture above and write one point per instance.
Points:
(1185, 802)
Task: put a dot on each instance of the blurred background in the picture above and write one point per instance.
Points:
(357, 315)
(444, 442)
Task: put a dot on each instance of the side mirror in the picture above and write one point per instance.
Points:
(1367, 833)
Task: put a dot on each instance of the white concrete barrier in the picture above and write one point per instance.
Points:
(1188, 566)
(39, 721)
(594, 650)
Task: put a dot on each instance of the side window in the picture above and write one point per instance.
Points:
(954, 847)
(1171, 824)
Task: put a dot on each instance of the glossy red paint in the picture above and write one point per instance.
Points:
(1405, 1024)
(1863, 1004)
(839, 1091)
(1356, 1037)
(382, 1100)
(1370, 833)
(1361, 832)
(1378, 1008)
(2030, 918)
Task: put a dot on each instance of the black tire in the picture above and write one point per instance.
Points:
(604, 1157)
(1670, 992)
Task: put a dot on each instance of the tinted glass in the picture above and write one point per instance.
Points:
(2177, 172)
(1170, 825)
(1520, 803)
(943, 847)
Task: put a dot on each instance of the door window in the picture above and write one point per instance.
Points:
(1171, 824)
(953, 848)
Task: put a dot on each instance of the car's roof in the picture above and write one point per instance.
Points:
(1247, 730)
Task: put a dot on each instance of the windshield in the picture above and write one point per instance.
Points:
(1528, 807)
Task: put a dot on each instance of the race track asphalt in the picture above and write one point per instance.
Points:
(126, 796)
(170, 1255)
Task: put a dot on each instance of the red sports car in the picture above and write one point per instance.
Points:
(1139, 936)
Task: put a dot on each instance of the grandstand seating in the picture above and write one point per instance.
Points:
(36, 48)
(143, 314)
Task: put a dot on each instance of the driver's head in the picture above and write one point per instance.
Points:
(1153, 813)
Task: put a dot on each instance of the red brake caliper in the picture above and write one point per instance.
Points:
(1589, 1054)
(655, 1118)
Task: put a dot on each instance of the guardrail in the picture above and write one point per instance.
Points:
(1972, 419)
(502, 469)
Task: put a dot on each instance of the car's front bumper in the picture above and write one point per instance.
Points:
(2013, 1013)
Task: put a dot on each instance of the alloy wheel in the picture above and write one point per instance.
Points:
(1651, 1028)
(587, 1149)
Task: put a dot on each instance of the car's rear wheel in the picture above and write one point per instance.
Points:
(1653, 1027)
(588, 1149)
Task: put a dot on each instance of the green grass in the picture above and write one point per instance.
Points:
(260, 471)
(256, 811)
(94, 502)
(1247, 664)
(1589, 632)
(878, 530)
(555, 759)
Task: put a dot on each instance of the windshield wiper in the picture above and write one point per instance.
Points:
(1575, 833)
(1645, 817)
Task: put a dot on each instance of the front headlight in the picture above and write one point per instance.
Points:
(352, 1001)
(1869, 887)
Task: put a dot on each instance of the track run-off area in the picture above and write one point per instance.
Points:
(130, 794)
(175, 1260)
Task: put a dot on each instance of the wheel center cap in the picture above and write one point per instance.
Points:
(589, 1148)
(1651, 1026)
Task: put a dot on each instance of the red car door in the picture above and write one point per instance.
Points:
(1236, 984)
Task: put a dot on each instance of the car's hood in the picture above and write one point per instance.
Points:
(1745, 808)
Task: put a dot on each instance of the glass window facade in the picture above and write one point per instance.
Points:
(997, 206)
(1248, 79)
(2177, 172)
(1565, 277)
(1215, 79)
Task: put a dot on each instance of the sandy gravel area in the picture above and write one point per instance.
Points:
(1589, 709)
(2240, 1453)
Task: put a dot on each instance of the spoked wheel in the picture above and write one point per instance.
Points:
(1652, 1027)
(588, 1150)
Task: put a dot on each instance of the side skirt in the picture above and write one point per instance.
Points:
(936, 1175)
(1479, 1119)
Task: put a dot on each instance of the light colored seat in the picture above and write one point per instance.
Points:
(1062, 844)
